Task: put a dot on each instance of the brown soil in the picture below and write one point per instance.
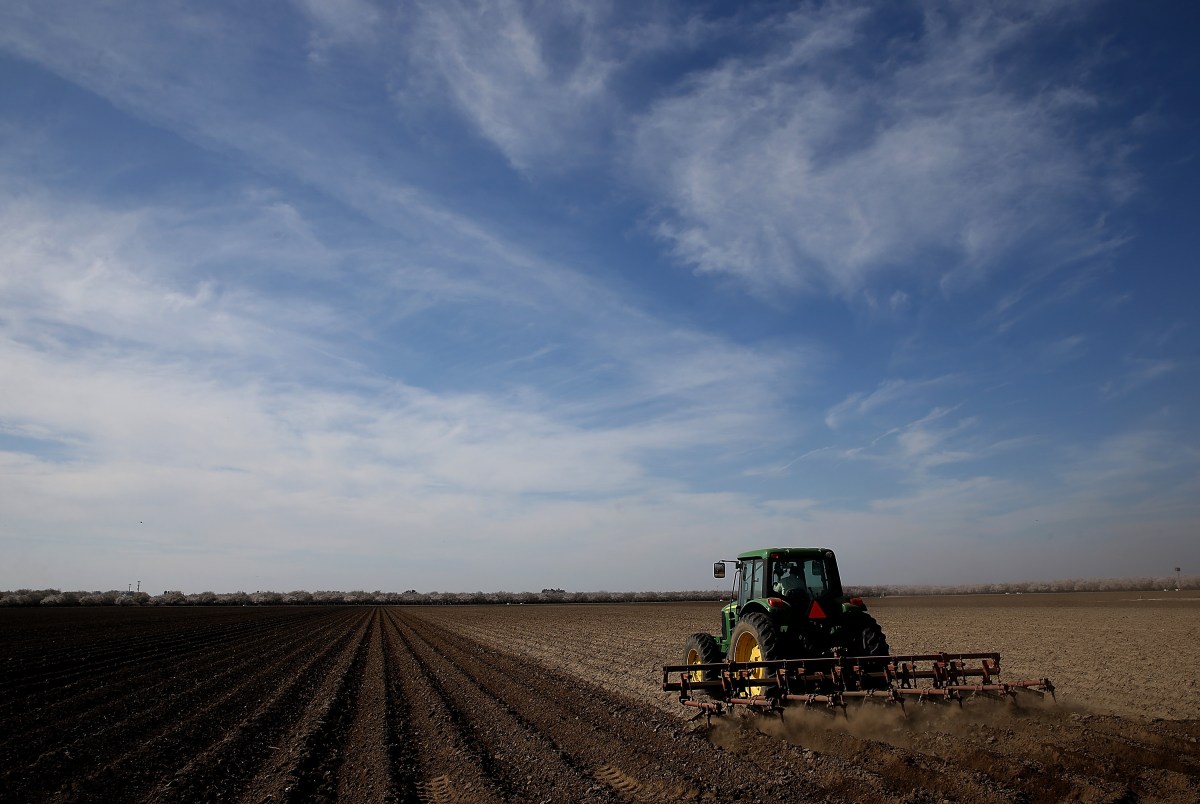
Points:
(562, 703)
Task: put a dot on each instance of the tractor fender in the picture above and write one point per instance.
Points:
(776, 608)
(854, 605)
(751, 607)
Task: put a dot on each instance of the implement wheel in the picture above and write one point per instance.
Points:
(702, 649)
(755, 639)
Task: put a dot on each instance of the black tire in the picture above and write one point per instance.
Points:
(804, 643)
(755, 638)
(702, 649)
(862, 636)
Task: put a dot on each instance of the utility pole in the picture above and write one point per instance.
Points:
(1177, 579)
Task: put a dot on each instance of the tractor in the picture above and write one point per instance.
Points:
(788, 604)
(790, 635)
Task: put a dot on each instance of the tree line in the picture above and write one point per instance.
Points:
(55, 597)
(1141, 583)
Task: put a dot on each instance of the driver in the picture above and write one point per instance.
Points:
(787, 582)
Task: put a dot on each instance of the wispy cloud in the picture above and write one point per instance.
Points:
(924, 444)
(1063, 350)
(337, 23)
(1137, 372)
(330, 283)
(858, 403)
(817, 167)
(536, 85)
(144, 373)
(1116, 507)
(226, 344)
(780, 470)
(1119, 464)
(888, 393)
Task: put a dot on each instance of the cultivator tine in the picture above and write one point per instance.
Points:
(923, 694)
(885, 695)
(1042, 686)
(832, 701)
(830, 682)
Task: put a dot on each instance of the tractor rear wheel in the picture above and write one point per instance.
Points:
(702, 649)
(755, 639)
(864, 637)
(803, 643)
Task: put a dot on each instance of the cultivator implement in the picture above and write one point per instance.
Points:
(834, 682)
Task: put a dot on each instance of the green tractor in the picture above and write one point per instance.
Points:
(791, 636)
(787, 604)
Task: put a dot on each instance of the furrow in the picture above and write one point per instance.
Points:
(102, 750)
(402, 744)
(305, 764)
(106, 708)
(599, 730)
(364, 775)
(225, 761)
(529, 762)
(444, 745)
(59, 674)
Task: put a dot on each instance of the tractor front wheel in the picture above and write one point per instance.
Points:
(702, 649)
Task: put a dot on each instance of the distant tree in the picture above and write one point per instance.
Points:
(53, 597)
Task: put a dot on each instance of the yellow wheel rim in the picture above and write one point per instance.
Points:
(747, 649)
(693, 657)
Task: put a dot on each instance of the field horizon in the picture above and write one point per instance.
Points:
(56, 597)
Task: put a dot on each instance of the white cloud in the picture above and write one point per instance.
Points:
(1137, 373)
(1125, 506)
(887, 394)
(858, 403)
(341, 23)
(1131, 464)
(237, 416)
(123, 287)
(1063, 350)
(534, 84)
(925, 443)
(323, 377)
(790, 169)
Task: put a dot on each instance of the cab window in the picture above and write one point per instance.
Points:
(801, 578)
(814, 575)
(752, 580)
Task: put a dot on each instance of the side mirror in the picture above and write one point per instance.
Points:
(719, 569)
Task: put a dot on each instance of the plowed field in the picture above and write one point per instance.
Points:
(561, 703)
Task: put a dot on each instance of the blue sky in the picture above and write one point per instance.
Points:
(456, 296)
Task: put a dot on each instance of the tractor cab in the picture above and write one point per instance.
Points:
(791, 586)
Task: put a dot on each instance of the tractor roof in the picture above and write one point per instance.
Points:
(808, 552)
